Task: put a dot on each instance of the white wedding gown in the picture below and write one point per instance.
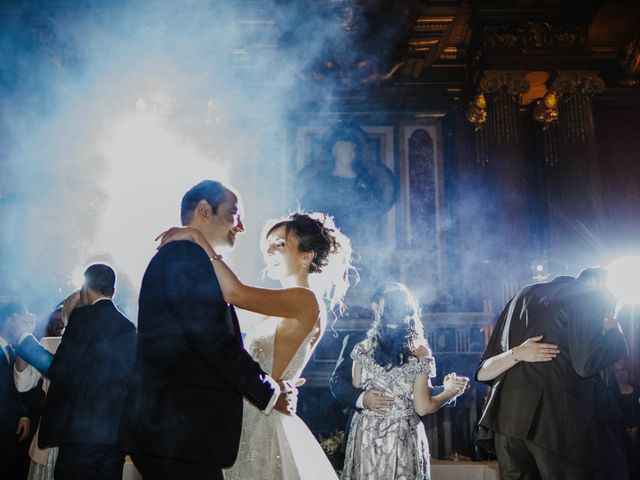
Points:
(277, 446)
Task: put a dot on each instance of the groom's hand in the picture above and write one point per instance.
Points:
(377, 401)
(287, 402)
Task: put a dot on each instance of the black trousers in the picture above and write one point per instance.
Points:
(78, 461)
(9, 455)
(160, 468)
(612, 458)
(522, 460)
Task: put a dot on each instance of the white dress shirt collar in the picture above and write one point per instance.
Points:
(98, 299)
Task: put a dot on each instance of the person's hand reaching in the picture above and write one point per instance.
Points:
(455, 384)
(23, 428)
(185, 233)
(531, 350)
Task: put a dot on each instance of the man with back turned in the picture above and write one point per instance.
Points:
(541, 410)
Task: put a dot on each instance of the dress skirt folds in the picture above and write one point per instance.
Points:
(277, 446)
(393, 445)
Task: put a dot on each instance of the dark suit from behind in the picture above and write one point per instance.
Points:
(551, 405)
(89, 374)
(191, 368)
(341, 379)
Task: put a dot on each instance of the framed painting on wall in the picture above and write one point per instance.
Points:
(348, 172)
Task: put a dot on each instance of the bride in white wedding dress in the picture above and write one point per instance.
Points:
(311, 259)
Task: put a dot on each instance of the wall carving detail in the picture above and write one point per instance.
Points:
(535, 36)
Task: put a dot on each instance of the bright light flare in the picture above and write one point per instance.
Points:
(624, 279)
(150, 166)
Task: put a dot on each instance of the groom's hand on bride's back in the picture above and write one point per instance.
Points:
(287, 402)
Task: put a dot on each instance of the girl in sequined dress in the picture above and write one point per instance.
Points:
(310, 257)
(395, 359)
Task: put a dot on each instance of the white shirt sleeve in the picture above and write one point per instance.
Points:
(360, 401)
(274, 397)
(26, 379)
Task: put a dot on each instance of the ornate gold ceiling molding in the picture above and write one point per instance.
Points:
(513, 81)
(572, 82)
(535, 36)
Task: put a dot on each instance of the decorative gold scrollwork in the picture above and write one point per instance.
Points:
(514, 82)
(546, 110)
(535, 36)
(571, 83)
(477, 111)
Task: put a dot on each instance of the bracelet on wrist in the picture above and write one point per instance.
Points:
(513, 355)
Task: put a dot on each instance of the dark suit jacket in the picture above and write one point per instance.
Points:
(89, 374)
(553, 403)
(11, 404)
(341, 379)
(191, 368)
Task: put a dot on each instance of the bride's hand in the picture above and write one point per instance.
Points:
(182, 233)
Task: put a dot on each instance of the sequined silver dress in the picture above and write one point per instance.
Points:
(392, 446)
(277, 446)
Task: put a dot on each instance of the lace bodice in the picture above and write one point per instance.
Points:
(261, 345)
(397, 382)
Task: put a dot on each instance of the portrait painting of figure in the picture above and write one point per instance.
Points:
(345, 178)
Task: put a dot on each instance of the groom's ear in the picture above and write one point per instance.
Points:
(203, 209)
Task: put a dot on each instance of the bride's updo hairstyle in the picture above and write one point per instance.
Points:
(331, 263)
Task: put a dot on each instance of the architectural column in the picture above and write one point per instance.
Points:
(573, 177)
(502, 179)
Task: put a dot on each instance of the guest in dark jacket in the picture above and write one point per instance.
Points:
(89, 374)
(627, 397)
(14, 421)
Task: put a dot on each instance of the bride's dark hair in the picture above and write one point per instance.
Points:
(397, 330)
(331, 263)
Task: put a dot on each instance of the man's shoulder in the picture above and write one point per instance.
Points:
(78, 316)
(553, 291)
(111, 310)
(178, 255)
(101, 318)
(180, 248)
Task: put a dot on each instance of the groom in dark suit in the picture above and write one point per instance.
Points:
(185, 405)
(542, 413)
(89, 374)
